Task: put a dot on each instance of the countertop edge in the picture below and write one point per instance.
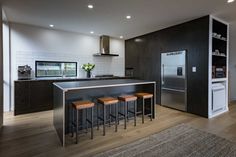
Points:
(71, 79)
(101, 86)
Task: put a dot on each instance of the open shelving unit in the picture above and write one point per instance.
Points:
(218, 62)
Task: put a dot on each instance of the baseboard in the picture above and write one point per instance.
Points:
(232, 99)
(219, 113)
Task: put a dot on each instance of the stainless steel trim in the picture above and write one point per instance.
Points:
(175, 90)
(100, 86)
(64, 117)
(55, 84)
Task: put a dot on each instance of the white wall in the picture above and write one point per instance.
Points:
(30, 43)
(1, 70)
(232, 61)
(6, 67)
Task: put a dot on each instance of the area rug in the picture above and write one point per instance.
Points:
(179, 141)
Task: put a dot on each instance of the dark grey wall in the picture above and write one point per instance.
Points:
(1, 70)
(144, 56)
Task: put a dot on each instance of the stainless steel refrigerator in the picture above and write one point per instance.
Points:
(174, 80)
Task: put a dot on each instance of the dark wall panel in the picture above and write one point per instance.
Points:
(143, 54)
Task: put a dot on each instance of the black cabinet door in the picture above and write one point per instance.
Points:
(40, 96)
(22, 104)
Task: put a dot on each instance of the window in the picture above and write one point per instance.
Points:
(55, 69)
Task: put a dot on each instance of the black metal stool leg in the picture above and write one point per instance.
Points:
(116, 115)
(86, 122)
(143, 112)
(92, 123)
(97, 117)
(77, 125)
(135, 111)
(72, 122)
(125, 112)
(104, 120)
(110, 115)
(151, 110)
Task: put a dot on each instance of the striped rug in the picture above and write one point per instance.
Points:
(179, 141)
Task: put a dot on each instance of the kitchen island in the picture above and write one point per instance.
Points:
(65, 93)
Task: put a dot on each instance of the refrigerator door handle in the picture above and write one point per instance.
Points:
(163, 74)
(174, 90)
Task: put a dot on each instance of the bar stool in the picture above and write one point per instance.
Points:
(145, 96)
(76, 107)
(107, 101)
(126, 99)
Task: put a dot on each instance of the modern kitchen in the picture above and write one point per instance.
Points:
(101, 78)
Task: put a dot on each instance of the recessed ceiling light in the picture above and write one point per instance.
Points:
(91, 32)
(138, 40)
(51, 26)
(121, 37)
(90, 6)
(128, 17)
(230, 1)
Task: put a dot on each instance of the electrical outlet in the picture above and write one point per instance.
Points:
(194, 69)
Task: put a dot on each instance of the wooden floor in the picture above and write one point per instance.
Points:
(34, 135)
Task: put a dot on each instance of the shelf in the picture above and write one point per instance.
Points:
(219, 56)
(219, 38)
(219, 79)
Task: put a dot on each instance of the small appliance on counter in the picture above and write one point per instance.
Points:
(218, 72)
(24, 72)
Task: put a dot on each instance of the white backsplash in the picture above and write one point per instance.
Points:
(30, 43)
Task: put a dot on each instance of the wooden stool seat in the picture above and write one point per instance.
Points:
(79, 105)
(144, 95)
(127, 98)
(108, 100)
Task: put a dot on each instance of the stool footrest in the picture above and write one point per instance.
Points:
(121, 114)
(139, 112)
(111, 115)
(131, 112)
(107, 119)
(100, 118)
(89, 121)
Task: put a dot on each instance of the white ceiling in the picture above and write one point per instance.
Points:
(108, 16)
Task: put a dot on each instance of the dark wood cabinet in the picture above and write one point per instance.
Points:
(32, 96)
(40, 95)
(22, 90)
(37, 95)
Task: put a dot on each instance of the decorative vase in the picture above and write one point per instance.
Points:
(88, 74)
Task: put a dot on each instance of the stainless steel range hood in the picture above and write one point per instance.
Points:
(105, 47)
